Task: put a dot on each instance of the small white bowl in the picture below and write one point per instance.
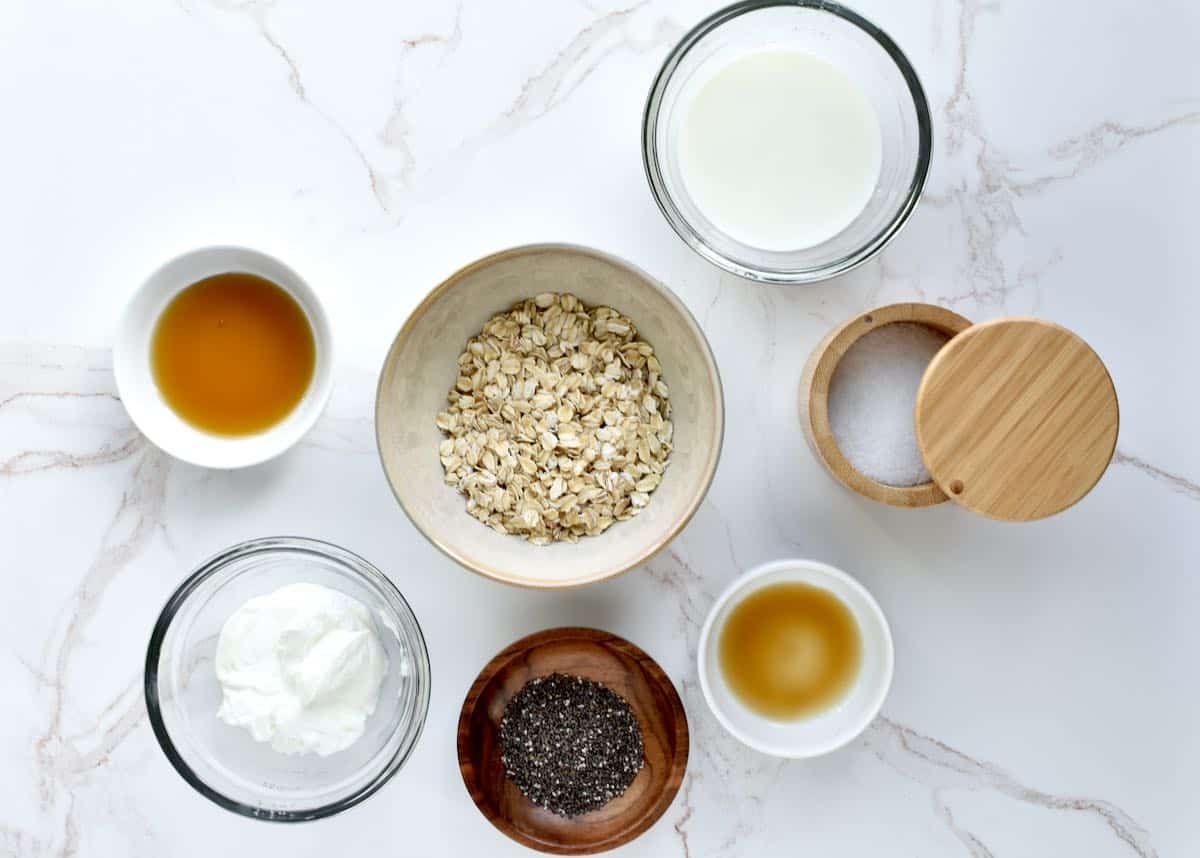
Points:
(828, 730)
(135, 377)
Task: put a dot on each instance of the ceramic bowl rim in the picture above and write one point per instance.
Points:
(283, 435)
(712, 373)
(857, 724)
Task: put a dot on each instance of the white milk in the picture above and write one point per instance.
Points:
(779, 149)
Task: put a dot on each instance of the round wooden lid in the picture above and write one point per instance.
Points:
(1016, 418)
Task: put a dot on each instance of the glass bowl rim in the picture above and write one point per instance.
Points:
(666, 204)
(352, 563)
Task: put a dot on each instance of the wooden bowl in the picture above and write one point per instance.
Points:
(814, 398)
(603, 658)
(422, 365)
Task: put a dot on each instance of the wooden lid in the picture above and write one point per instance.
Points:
(1016, 418)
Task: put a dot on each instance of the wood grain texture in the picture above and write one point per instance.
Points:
(601, 657)
(814, 397)
(1017, 418)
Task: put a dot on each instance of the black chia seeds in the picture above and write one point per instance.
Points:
(570, 744)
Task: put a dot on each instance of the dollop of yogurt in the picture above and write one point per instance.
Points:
(301, 668)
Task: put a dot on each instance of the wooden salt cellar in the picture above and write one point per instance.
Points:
(1016, 418)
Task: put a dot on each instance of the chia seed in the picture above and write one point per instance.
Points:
(570, 745)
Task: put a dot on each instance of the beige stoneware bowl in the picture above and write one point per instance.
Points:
(421, 367)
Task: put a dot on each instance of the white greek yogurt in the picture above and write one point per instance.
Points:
(300, 668)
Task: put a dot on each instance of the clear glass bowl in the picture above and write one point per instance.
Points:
(224, 763)
(862, 52)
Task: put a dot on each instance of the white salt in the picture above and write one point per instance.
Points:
(871, 400)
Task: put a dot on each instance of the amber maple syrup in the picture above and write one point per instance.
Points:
(790, 650)
(233, 354)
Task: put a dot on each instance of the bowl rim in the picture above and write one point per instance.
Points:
(817, 378)
(742, 585)
(221, 258)
(712, 371)
(534, 640)
(666, 204)
(214, 564)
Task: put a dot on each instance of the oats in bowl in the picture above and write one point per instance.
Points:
(559, 421)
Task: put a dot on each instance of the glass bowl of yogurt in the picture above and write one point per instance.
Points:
(787, 141)
(287, 679)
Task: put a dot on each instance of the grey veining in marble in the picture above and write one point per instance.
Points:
(1045, 701)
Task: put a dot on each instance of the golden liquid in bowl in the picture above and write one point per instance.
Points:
(790, 650)
(233, 354)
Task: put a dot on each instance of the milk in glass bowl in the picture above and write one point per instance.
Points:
(786, 142)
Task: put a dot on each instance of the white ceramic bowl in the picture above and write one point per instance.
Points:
(421, 368)
(827, 730)
(145, 403)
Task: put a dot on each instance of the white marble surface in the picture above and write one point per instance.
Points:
(1046, 700)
